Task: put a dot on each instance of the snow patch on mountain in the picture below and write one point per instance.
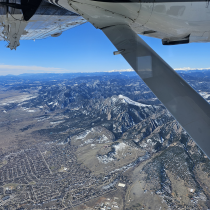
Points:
(120, 147)
(129, 101)
(17, 99)
(83, 135)
(105, 159)
(99, 140)
(56, 122)
(31, 110)
(204, 94)
(96, 135)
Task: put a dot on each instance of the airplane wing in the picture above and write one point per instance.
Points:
(182, 101)
(48, 20)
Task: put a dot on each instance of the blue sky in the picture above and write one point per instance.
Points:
(86, 49)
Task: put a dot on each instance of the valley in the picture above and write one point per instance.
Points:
(97, 141)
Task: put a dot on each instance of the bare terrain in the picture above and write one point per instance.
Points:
(96, 141)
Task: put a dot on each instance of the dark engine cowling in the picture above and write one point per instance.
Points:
(28, 7)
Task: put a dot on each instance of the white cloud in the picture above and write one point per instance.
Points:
(16, 70)
(188, 68)
(182, 68)
(121, 70)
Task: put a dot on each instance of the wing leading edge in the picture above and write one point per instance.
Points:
(182, 101)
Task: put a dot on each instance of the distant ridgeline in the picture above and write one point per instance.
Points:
(186, 74)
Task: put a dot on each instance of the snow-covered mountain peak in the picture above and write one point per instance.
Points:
(125, 99)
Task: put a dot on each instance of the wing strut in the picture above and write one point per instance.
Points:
(182, 101)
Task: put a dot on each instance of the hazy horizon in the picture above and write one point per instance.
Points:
(86, 49)
(74, 72)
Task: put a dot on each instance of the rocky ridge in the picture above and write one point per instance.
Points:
(116, 126)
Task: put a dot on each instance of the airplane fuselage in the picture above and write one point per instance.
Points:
(166, 20)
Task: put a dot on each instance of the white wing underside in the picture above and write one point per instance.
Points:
(49, 20)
